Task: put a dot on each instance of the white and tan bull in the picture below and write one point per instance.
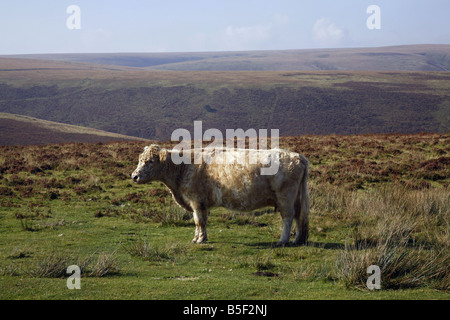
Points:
(236, 185)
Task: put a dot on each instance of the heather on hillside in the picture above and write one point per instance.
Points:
(151, 104)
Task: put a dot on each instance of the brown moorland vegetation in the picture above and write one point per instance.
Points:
(23, 130)
(151, 103)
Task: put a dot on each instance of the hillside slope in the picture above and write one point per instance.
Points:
(23, 130)
(394, 58)
(151, 104)
(397, 58)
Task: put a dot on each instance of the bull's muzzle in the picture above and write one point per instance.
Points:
(135, 177)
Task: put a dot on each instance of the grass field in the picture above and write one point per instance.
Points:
(375, 200)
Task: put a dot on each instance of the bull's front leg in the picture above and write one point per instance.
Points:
(200, 219)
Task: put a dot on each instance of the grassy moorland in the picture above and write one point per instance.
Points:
(375, 200)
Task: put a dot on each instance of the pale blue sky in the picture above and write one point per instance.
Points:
(216, 25)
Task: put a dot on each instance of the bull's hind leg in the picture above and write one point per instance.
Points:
(302, 216)
(287, 214)
(302, 225)
(200, 219)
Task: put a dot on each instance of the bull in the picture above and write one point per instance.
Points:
(198, 187)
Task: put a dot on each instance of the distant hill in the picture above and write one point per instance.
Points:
(394, 58)
(150, 104)
(23, 130)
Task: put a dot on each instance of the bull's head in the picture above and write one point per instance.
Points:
(150, 164)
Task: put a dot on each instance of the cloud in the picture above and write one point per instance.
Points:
(255, 36)
(255, 33)
(327, 34)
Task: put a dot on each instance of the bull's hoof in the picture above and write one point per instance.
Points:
(281, 244)
(300, 241)
(199, 240)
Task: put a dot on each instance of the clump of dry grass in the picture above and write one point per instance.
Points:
(51, 266)
(155, 252)
(105, 264)
(404, 232)
(172, 214)
(394, 213)
(55, 265)
(401, 266)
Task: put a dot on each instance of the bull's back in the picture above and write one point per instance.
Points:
(241, 186)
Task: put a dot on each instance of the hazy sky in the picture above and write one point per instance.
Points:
(40, 26)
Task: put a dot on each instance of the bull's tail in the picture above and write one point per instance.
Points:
(302, 208)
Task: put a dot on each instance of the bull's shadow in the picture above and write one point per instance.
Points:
(313, 244)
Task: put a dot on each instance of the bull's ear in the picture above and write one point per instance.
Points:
(154, 149)
(163, 155)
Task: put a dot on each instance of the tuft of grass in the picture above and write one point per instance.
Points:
(263, 263)
(29, 225)
(106, 264)
(51, 266)
(10, 270)
(390, 245)
(55, 265)
(401, 266)
(172, 215)
(403, 231)
(155, 252)
(19, 253)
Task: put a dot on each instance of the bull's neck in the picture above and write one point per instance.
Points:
(172, 173)
(172, 177)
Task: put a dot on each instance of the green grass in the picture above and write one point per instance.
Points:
(80, 207)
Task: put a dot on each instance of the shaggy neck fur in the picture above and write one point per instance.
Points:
(172, 177)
